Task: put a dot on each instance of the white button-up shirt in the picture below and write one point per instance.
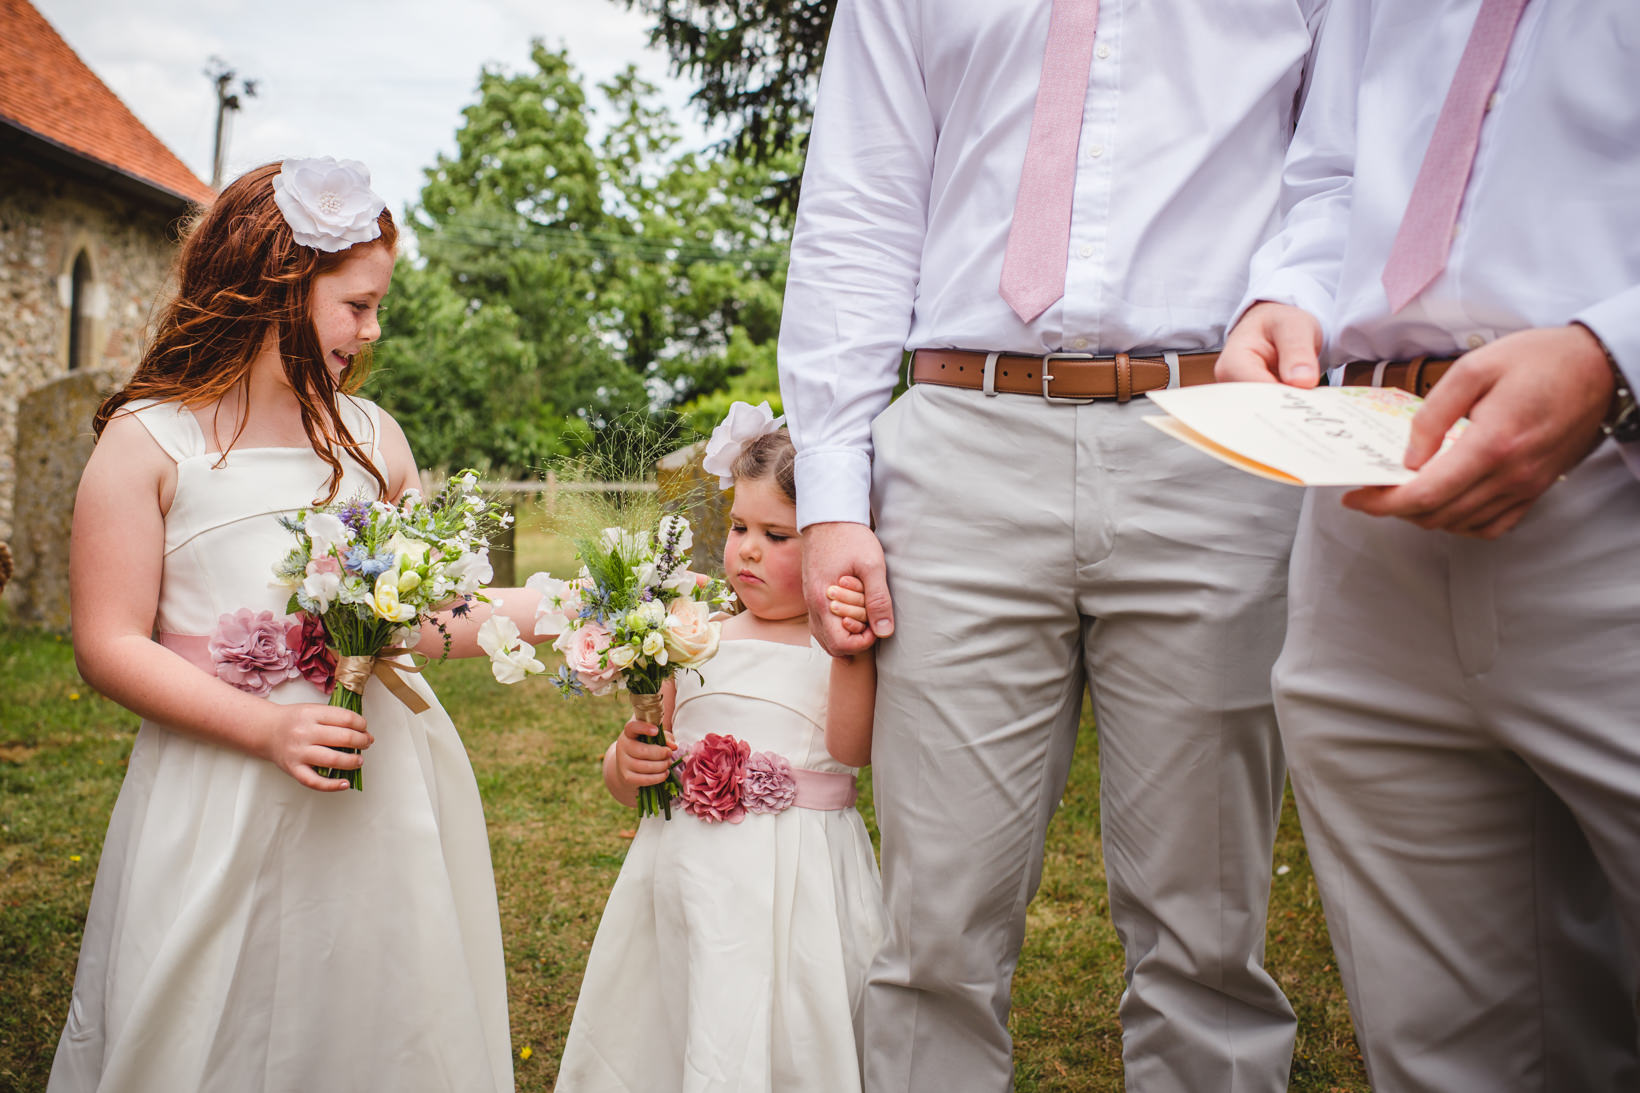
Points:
(1549, 228)
(913, 168)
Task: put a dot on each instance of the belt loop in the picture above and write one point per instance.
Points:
(1415, 374)
(1378, 373)
(1172, 360)
(1124, 378)
(910, 370)
(990, 386)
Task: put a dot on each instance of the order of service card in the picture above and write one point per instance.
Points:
(1325, 436)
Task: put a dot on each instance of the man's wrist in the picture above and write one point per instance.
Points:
(1622, 420)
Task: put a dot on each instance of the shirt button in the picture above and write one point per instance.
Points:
(1086, 251)
(1475, 341)
(1080, 343)
(1104, 51)
(1095, 151)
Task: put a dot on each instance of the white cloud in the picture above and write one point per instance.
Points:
(361, 79)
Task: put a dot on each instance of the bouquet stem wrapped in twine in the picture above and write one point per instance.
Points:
(655, 800)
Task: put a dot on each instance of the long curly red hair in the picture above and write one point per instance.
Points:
(241, 276)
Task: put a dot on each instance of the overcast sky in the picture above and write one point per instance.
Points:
(373, 80)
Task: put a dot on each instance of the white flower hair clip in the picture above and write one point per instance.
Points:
(741, 425)
(328, 202)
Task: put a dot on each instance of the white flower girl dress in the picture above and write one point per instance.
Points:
(732, 956)
(249, 935)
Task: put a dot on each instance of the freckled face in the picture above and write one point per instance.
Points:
(764, 553)
(345, 303)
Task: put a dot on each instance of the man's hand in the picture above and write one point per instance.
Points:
(832, 551)
(1535, 400)
(1273, 342)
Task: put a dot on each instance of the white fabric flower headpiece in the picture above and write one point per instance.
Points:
(743, 424)
(328, 202)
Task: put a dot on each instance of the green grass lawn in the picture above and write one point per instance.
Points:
(557, 843)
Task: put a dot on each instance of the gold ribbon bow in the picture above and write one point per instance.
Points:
(354, 672)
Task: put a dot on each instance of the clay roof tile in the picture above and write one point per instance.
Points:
(48, 91)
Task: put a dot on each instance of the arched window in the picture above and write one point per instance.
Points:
(79, 313)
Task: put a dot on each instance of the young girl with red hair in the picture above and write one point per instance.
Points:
(251, 927)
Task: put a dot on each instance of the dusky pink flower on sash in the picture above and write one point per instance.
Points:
(250, 651)
(768, 785)
(712, 775)
(306, 638)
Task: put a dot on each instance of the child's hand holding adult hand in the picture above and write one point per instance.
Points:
(847, 600)
(302, 736)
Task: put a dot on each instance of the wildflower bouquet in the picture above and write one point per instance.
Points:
(632, 619)
(364, 573)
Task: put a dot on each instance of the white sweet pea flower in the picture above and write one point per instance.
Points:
(654, 646)
(470, 571)
(743, 423)
(512, 660)
(320, 589)
(327, 533)
(328, 202)
(630, 545)
(622, 656)
(647, 575)
(681, 582)
(559, 603)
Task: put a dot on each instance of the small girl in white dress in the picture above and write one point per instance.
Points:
(733, 949)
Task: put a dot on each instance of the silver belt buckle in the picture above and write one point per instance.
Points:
(1047, 377)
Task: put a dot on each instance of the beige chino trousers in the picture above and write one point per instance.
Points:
(1463, 724)
(1036, 551)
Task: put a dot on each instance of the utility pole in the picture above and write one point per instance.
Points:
(227, 99)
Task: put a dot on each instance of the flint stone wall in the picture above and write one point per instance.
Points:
(46, 220)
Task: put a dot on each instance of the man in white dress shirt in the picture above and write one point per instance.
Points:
(1458, 694)
(1040, 539)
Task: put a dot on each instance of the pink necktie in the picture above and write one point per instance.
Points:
(1033, 268)
(1419, 253)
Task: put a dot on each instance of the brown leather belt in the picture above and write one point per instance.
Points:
(1060, 377)
(1417, 375)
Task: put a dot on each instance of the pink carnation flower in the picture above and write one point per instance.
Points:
(768, 785)
(250, 651)
(711, 778)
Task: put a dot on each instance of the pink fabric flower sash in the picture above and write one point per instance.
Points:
(256, 651)
(722, 780)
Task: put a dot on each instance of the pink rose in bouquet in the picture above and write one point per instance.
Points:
(712, 773)
(306, 639)
(584, 650)
(768, 785)
(250, 652)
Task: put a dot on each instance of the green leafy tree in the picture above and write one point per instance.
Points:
(565, 284)
(756, 64)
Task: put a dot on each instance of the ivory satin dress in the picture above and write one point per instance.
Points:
(250, 935)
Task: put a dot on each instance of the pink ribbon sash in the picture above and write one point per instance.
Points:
(824, 790)
(193, 648)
